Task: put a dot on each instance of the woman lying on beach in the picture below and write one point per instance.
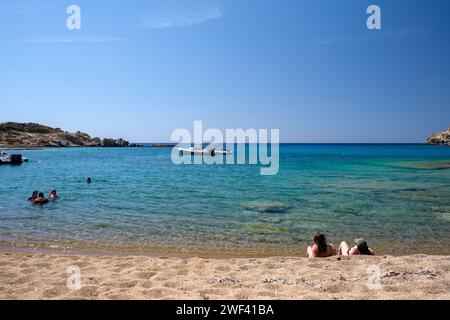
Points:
(320, 248)
(360, 247)
(41, 199)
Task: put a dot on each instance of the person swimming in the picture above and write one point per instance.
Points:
(360, 248)
(41, 199)
(320, 248)
(53, 195)
(88, 180)
(34, 195)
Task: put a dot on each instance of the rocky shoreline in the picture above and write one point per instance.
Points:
(441, 138)
(15, 135)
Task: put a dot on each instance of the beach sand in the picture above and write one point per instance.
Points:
(44, 276)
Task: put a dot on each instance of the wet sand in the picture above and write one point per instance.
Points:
(45, 276)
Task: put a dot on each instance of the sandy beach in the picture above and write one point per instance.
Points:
(44, 276)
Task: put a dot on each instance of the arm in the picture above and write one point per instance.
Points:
(333, 250)
(311, 252)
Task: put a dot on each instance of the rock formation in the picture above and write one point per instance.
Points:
(32, 135)
(441, 138)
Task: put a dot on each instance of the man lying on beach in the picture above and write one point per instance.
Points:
(360, 247)
(320, 248)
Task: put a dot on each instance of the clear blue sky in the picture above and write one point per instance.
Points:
(140, 69)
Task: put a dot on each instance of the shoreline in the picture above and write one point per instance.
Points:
(93, 248)
(45, 276)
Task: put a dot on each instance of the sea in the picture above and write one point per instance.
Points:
(396, 196)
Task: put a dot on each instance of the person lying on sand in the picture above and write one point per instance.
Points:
(53, 195)
(34, 195)
(320, 248)
(41, 199)
(360, 247)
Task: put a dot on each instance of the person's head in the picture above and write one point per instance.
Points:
(88, 180)
(40, 195)
(53, 192)
(35, 194)
(321, 241)
(362, 246)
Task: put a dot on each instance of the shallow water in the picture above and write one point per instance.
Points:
(391, 195)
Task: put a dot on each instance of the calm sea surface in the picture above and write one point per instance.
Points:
(395, 196)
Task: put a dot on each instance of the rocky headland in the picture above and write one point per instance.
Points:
(441, 138)
(33, 135)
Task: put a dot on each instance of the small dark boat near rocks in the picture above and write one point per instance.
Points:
(15, 159)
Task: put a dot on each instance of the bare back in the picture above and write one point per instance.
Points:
(313, 252)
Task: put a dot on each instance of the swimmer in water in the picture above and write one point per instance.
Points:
(34, 195)
(53, 195)
(88, 180)
(41, 199)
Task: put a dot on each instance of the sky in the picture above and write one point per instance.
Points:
(139, 69)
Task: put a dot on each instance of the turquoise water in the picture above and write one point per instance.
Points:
(396, 196)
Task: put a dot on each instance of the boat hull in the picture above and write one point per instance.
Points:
(13, 159)
(198, 152)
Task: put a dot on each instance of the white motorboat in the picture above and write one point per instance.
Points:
(208, 151)
(224, 152)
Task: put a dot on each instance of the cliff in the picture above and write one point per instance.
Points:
(31, 135)
(441, 138)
